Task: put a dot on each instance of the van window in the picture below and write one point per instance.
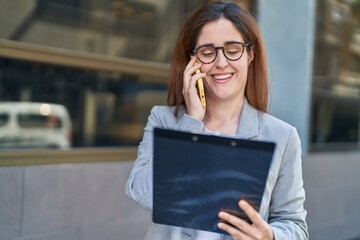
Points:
(4, 118)
(39, 121)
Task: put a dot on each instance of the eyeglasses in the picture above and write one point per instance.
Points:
(232, 51)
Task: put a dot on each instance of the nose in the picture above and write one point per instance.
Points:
(221, 61)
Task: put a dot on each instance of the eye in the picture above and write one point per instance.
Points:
(206, 52)
(233, 49)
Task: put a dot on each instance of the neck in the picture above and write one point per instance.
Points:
(224, 117)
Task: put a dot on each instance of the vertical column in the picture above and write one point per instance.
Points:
(89, 118)
(288, 29)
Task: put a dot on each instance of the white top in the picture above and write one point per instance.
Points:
(204, 235)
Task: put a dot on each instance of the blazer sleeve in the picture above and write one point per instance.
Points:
(287, 214)
(139, 184)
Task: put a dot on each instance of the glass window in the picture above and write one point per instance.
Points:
(104, 108)
(141, 29)
(105, 62)
(39, 121)
(336, 85)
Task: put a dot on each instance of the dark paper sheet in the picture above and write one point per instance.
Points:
(197, 175)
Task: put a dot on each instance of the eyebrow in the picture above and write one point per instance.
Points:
(213, 45)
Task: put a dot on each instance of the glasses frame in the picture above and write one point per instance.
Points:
(245, 45)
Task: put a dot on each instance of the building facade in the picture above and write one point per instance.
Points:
(107, 63)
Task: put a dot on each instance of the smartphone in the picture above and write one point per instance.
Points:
(200, 87)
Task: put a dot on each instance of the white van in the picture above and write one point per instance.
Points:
(34, 125)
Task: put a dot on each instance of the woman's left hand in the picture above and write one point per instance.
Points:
(240, 229)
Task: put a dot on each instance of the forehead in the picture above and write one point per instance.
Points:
(219, 32)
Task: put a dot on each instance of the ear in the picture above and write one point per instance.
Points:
(251, 54)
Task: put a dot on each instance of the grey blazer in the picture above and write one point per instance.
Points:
(282, 205)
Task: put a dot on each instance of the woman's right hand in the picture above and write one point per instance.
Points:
(190, 92)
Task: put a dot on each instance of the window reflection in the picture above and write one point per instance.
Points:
(103, 61)
(336, 86)
(141, 29)
(26, 125)
(103, 108)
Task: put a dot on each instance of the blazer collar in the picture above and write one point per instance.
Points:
(249, 122)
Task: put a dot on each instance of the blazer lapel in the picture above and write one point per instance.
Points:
(249, 122)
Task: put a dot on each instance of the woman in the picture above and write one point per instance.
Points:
(224, 41)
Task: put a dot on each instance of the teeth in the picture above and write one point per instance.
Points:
(222, 76)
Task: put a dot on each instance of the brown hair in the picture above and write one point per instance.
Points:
(256, 90)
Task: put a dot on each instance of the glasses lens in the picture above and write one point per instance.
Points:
(206, 54)
(233, 51)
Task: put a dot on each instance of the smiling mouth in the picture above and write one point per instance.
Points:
(222, 77)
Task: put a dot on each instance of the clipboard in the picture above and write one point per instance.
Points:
(196, 175)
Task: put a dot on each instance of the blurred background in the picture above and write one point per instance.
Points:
(78, 79)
